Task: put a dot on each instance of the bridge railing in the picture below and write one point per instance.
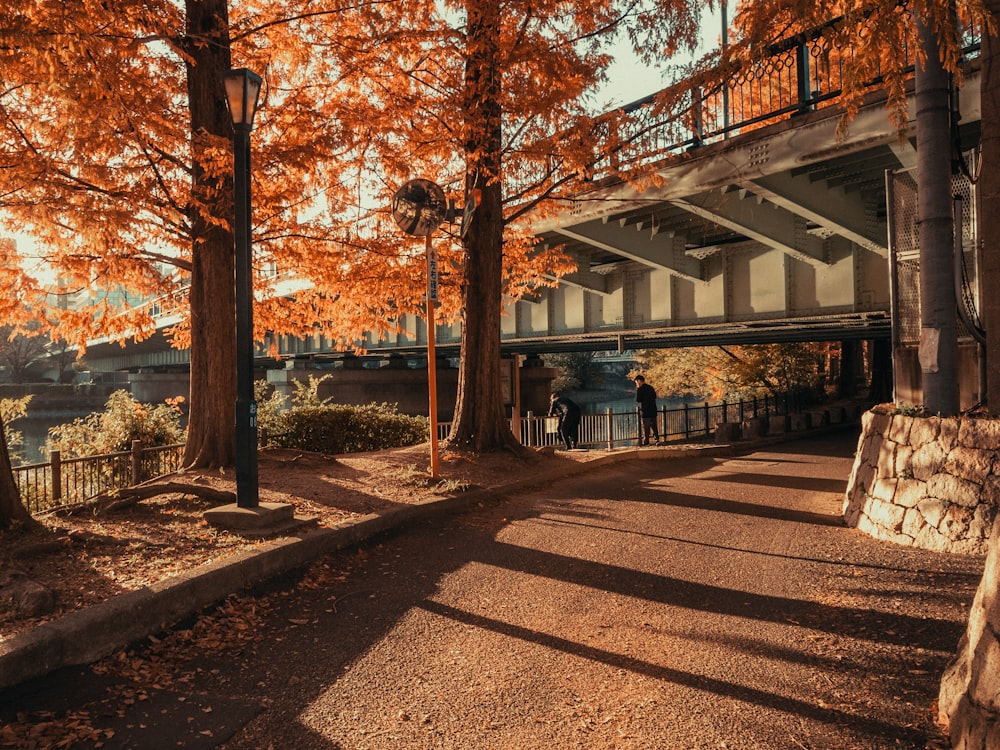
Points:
(801, 74)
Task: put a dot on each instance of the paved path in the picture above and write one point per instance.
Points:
(695, 603)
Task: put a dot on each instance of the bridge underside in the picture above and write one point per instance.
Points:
(778, 234)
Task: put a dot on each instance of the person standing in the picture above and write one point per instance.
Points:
(569, 419)
(645, 400)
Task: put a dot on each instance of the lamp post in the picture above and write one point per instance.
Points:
(242, 90)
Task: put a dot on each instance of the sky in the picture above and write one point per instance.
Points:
(630, 80)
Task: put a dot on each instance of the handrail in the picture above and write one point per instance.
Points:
(65, 481)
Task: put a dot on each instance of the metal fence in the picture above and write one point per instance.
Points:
(611, 428)
(68, 481)
(62, 482)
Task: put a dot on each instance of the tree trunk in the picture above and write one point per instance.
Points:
(989, 219)
(479, 423)
(847, 382)
(211, 424)
(880, 390)
(938, 311)
(12, 510)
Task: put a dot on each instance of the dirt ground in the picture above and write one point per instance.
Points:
(87, 555)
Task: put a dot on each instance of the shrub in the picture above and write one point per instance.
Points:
(270, 407)
(339, 428)
(12, 409)
(123, 420)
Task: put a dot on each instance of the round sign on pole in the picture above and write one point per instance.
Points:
(419, 207)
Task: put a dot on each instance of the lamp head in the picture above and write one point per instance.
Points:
(242, 90)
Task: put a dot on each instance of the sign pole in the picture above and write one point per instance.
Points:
(432, 289)
(419, 207)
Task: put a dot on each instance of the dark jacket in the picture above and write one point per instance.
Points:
(565, 409)
(645, 397)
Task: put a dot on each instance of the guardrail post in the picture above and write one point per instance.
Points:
(687, 421)
(802, 71)
(56, 466)
(707, 430)
(725, 412)
(136, 461)
(531, 428)
(755, 406)
(611, 429)
(697, 118)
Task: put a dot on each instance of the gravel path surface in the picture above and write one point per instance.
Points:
(686, 604)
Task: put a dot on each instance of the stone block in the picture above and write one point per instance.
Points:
(931, 539)
(866, 477)
(927, 460)
(822, 419)
(974, 464)
(727, 432)
(948, 434)
(913, 522)
(923, 431)
(933, 510)
(967, 546)
(982, 521)
(954, 490)
(755, 427)
(851, 513)
(886, 515)
(955, 524)
(776, 425)
(899, 429)
(887, 459)
(871, 445)
(903, 540)
(902, 461)
(984, 685)
(979, 433)
(909, 492)
(798, 422)
(991, 491)
(875, 422)
(884, 489)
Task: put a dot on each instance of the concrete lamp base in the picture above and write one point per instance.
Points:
(264, 520)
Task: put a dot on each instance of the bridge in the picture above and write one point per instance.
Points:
(771, 228)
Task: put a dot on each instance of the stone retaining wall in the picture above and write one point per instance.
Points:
(935, 483)
(928, 482)
(969, 699)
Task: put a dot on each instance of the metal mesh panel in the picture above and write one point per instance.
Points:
(964, 189)
(906, 256)
(905, 252)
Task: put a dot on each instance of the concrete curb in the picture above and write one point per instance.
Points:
(93, 633)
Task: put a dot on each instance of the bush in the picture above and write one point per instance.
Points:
(339, 428)
(123, 420)
(12, 409)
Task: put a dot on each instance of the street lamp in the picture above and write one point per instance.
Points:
(242, 90)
